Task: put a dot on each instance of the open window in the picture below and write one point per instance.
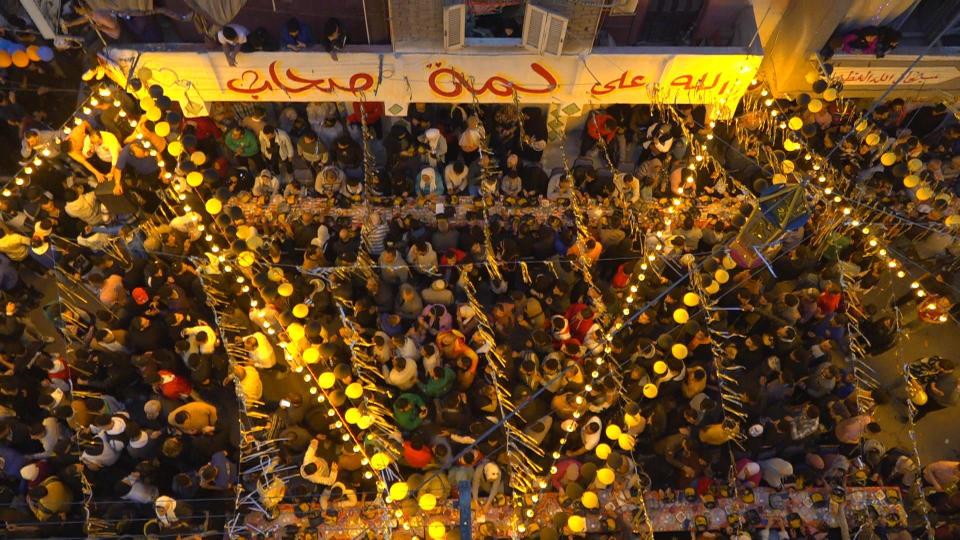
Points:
(543, 31)
(454, 26)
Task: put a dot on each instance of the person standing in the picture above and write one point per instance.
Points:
(334, 38)
(232, 37)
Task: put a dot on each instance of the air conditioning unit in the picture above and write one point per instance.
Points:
(543, 31)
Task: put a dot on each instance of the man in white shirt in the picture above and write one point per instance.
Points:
(202, 339)
(232, 37)
(277, 149)
(260, 351)
(316, 469)
(85, 207)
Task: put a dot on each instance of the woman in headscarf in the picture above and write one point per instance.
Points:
(428, 184)
(436, 148)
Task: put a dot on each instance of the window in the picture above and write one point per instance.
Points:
(503, 23)
(544, 31)
(494, 18)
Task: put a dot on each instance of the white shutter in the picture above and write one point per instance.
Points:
(556, 32)
(454, 26)
(534, 25)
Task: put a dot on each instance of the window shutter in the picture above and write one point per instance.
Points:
(534, 25)
(454, 26)
(556, 32)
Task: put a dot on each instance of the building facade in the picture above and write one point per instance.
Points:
(570, 54)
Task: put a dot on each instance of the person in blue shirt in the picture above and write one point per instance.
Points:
(296, 35)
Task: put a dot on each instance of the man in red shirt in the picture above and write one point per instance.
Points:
(600, 125)
(417, 454)
(170, 385)
(829, 300)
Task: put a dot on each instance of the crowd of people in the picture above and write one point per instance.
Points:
(131, 408)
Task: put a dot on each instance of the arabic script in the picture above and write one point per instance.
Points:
(450, 83)
(688, 82)
(253, 83)
(620, 83)
(886, 76)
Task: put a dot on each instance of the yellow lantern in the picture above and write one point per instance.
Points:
(914, 165)
(712, 288)
(721, 276)
(729, 263)
(924, 193)
(301, 310)
(244, 232)
(680, 315)
(811, 77)
(590, 500)
(788, 166)
(602, 450)
(354, 390)
(162, 129)
(952, 220)
(436, 530)
(285, 290)
(576, 524)
(605, 476)
(214, 206)
(198, 158)
(327, 380)
(399, 491)
(691, 299)
(679, 351)
(795, 123)
(352, 415)
(427, 502)
(872, 139)
(830, 94)
(175, 148)
(153, 114)
(911, 181)
(246, 259)
(659, 367)
(860, 125)
(312, 356)
(790, 145)
(888, 159)
(778, 179)
(365, 421)
(627, 441)
(379, 461)
(613, 432)
(650, 391)
(146, 103)
(194, 178)
(295, 331)
(815, 105)
(255, 242)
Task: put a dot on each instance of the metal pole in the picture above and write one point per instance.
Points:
(466, 527)
(366, 23)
